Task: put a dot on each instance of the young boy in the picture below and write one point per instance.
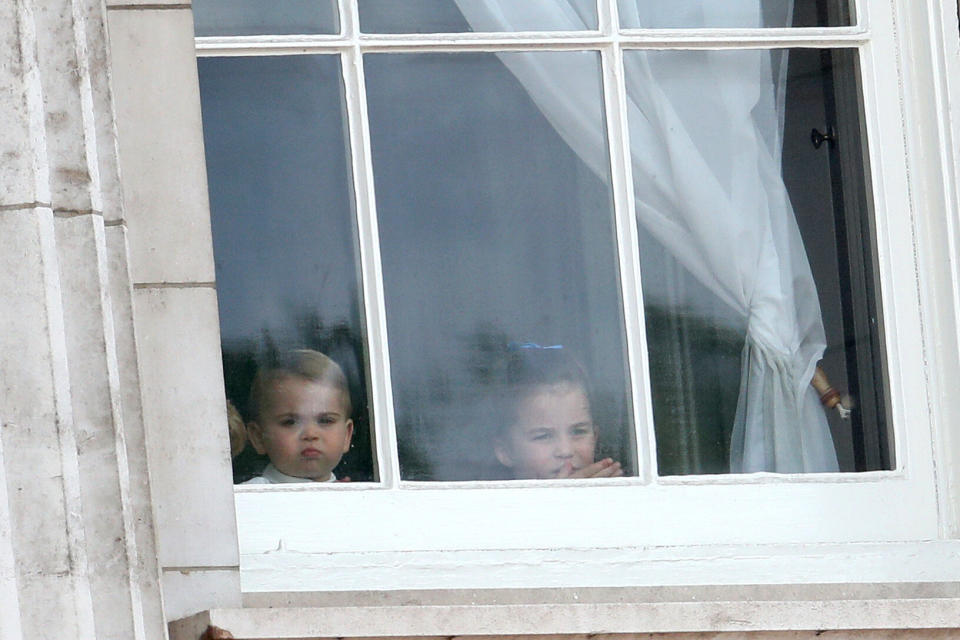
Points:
(548, 429)
(300, 412)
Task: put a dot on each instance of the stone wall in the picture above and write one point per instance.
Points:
(78, 552)
(157, 97)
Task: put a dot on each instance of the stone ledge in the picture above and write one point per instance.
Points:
(855, 610)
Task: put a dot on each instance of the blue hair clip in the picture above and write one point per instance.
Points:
(516, 346)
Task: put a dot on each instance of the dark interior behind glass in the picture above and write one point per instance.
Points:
(283, 227)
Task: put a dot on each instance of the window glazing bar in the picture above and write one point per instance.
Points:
(628, 254)
(381, 397)
(269, 45)
(831, 37)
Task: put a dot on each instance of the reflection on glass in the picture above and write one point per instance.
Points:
(757, 260)
(283, 229)
(264, 17)
(456, 16)
(495, 235)
(718, 14)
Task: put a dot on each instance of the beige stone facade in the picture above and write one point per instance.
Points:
(79, 508)
(116, 504)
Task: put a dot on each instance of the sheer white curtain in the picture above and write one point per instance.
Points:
(705, 138)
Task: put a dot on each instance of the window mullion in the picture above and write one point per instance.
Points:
(862, 14)
(763, 38)
(606, 18)
(615, 105)
(381, 396)
(349, 20)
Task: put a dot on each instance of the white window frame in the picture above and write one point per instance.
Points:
(396, 533)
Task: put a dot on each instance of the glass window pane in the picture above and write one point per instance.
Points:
(456, 16)
(757, 259)
(264, 17)
(494, 231)
(284, 240)
(692, 14)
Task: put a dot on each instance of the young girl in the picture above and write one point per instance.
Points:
(547, 428)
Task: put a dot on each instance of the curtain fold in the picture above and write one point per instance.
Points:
(705, 140)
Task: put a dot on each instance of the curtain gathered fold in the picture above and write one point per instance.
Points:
(705, 141)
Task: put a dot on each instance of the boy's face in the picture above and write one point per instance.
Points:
(553, 435)
(303, 428)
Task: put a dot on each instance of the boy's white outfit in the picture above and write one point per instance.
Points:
(272, 475)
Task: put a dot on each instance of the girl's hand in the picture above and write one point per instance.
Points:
(605, 468)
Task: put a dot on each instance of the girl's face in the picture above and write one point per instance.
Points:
(553, 434)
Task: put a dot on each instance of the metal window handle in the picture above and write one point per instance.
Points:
(817, 138)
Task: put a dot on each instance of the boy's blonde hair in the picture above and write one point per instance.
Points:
(303, 363)
(238, 430)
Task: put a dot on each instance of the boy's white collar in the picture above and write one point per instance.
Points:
(276, 476)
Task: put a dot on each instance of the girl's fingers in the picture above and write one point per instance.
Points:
(605, 468)
(591, 470)
(612, 470)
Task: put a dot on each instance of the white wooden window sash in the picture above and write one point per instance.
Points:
(394, 515)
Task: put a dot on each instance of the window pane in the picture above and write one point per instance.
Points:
(757, 260)
(494, 231)
(283, 228)
(264, 17)
(454, 16)
(691, 14)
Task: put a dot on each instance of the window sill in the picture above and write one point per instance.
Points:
(754, 608)
(285, 570)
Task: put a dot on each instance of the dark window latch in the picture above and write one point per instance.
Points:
(817, 138)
